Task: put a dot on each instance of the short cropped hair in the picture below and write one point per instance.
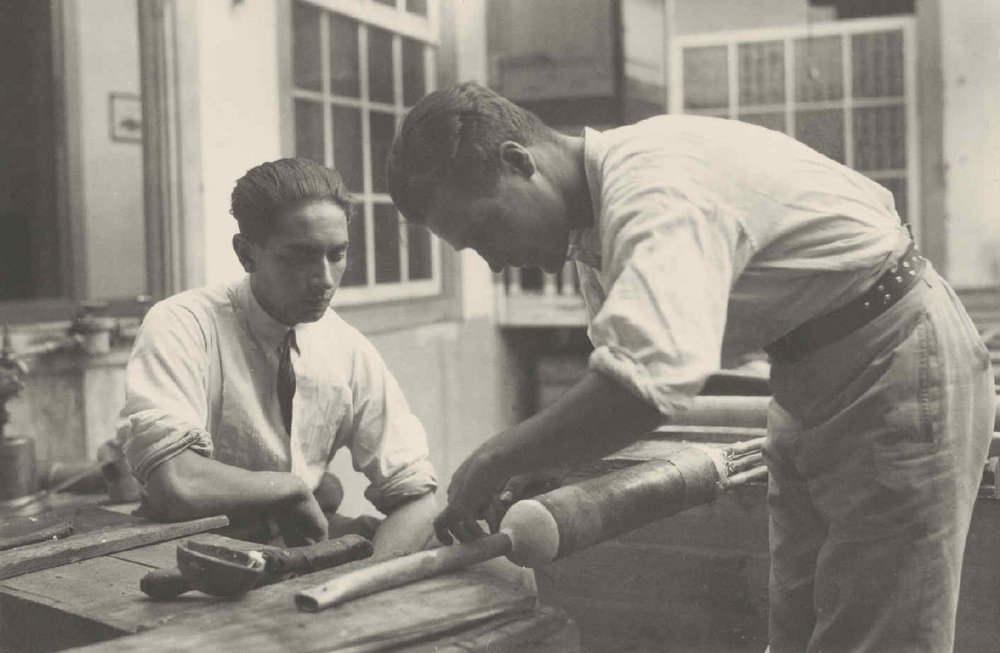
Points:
(267, 190)
(453, 136)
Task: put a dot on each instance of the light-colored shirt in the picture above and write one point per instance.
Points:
(202, 376)
(711, 239)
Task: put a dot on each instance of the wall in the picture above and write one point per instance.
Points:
(105, 61)
(970, 57)
(694, 16)
(238, 105)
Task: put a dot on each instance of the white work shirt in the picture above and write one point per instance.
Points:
(713, 238)
(203, 373)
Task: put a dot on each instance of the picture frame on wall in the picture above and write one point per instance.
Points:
(125, 114)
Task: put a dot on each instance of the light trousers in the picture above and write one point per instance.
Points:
(876, 448)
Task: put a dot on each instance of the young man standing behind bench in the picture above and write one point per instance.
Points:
(239, 395)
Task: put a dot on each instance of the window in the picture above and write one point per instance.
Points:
(356, 68)
(844, 88)
(72, 216)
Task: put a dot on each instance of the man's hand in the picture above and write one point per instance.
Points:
(473, 488)
(522, 486)
(302, 522)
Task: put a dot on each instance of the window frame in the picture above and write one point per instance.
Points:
(389, 306)
(165, 212)
(732, 39)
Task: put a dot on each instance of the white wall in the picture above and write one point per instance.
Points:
(106, 60)
(970, 54)
(239, 116)
(694, 16)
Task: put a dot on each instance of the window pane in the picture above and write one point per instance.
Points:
(878, 64)
(387, 268)
(706, 82)
(417, 7)
(419, 242)
(305, 46)
(762, 73)
(390, 3)
(345, 78)
(414, 86)
(898, 189)
(775, 121)
(309, 130)
(379, 65)
(383, 127)
(356, 273)
(879, 138)
(347, 152)
(819, 69)
(823, 131)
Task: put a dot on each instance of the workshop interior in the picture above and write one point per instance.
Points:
(124, 125)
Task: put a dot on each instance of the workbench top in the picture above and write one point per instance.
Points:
(97, 602)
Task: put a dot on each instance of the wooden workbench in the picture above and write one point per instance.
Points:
(97, 602)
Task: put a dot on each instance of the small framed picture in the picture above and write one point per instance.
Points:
(126, 117)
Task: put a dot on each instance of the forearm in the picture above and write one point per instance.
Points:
(189, 486)
(407, 528)
(593, 418)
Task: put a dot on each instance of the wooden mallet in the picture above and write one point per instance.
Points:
(537, 531)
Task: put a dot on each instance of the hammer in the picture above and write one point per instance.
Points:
(537, 531)
(228, 571)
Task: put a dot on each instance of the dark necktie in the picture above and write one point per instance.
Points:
(286, 379)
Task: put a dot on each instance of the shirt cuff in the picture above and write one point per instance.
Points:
(409, 483)
(669, 400)
(145, 461)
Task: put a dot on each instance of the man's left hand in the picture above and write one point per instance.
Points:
(473, 488)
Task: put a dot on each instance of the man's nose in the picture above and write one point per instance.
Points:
(323, 274)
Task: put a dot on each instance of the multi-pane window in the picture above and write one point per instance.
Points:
(357, 67)
(845, 89)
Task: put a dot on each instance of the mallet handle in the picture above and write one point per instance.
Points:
(400, 571)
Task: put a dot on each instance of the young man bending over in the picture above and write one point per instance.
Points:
(700, 239)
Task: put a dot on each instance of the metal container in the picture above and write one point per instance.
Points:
(18, 473)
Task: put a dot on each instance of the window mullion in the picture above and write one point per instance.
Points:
(324, 67)
(366, 154)
(789, 59)
(397, 94)
(847, 59)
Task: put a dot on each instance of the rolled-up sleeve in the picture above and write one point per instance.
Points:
(389, 445)
(165, 384)
(669, 268)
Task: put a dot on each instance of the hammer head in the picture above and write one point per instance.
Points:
(219, 571)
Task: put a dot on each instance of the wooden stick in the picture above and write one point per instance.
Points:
(55, 532)
(100, 542)
(402, 571)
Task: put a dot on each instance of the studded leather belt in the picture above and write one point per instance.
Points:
(829, 327)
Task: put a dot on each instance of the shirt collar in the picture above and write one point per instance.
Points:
(268, 331)
(585, 244)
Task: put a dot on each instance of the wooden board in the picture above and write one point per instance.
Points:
(267, 620)
(81, 546)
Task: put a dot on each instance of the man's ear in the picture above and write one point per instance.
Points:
(244, 252)
(517, 157)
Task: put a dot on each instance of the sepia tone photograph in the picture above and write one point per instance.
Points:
(500, 326)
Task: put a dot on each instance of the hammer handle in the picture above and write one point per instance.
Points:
(315, 557)
(164, 584)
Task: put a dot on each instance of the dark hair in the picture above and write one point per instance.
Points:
(453, 135)
(276, 186)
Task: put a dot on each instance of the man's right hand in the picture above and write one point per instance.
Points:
(302, 522)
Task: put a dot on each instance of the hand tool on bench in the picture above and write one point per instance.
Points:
(226, 571)
(550, 526)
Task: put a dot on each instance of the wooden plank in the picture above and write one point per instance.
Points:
(100, 542)
(266, 619)
(546, 630)
(102, 590)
